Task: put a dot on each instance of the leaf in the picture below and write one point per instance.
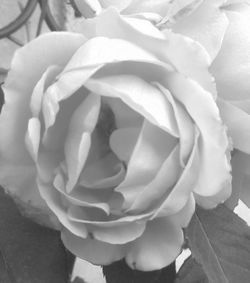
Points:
(29, 253)
(220, 241)
(191, 272)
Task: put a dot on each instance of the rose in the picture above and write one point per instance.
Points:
(120, 135)
(222, 27)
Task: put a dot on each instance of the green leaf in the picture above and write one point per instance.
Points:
(29, 253)
(220, 241)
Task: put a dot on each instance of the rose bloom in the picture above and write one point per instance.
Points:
(117, 133)
(223, 28)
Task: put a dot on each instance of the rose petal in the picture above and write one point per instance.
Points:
(54, 202)
(159, 245)
(238, 123)
(86, 200)
(152, 148)
(152, 193)
(32, 137)
(207, 24)
(181, 52)
(122, 142)
(48, 49)
(184, 216)
(125, 117)
(95, 217)
(78, 142)
(242, 104)
(118, 233)
(92, 250)
(139, 95)
(86, 61)
(177, 198)
(38, 92)
(107, 172)
(54, 137)
(231, 68)
(185, 126)
(46, 165)
(214, 169)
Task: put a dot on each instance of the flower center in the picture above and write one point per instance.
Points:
(105, 126)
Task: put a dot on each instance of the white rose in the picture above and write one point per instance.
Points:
(120, 135)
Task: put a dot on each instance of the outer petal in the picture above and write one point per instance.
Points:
(238, 123)
(159, 245)
(91, 250)
(28, 65)
(231, 68)
(207, 25)
(181, 52)
(17, 170)
(213, 144)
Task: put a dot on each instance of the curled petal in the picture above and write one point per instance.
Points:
(32, 138)
(78, 141)
(37, 95)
